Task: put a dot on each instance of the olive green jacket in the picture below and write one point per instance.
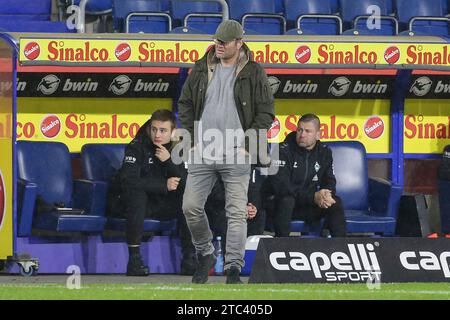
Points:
(252, 94)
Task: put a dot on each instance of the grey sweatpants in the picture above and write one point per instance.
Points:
(200, 181)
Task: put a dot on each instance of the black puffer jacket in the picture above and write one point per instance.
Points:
(302, 172)
(444, 166)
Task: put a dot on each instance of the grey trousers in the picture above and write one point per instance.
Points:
(200, 181)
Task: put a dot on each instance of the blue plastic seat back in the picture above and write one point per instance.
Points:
(334, 6)
(350, 169)
(294, 8)
(48, 165)
(12, 25)
(122, 8)
(96, 6)
(256, 25)
(239, 8)
(25, 9)
(407, 9)
(350, 9)
(180, 9)
(101, 161)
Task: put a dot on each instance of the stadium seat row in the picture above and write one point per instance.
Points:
(271, 17)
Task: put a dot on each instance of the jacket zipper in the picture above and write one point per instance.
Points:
(306, 171)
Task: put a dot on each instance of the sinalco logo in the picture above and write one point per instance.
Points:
(49, 84)
(421, 86)
(274, 84)
(120, 85)
(2, 199)
(339, 86)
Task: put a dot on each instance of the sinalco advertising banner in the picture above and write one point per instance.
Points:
(426, 125)
(75, 122)
(366, 121)
(315, 53)
(6, 155)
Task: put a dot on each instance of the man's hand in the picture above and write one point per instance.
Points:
(172, 183)
(251, 211)
(324, 198)
(162, 153)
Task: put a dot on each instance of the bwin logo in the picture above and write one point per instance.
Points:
(339, 86)
(120, 85)
(274, 84)
(49, 84)
(421, 86)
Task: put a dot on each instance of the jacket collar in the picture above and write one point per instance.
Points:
(212, 60)
(290, 140)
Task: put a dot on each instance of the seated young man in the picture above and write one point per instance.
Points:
(150, 185)
(215, 208)
(305, 185)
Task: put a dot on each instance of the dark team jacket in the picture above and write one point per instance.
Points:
(444, 166)
(142, 170)
(302, 172)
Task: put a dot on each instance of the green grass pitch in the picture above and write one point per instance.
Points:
(385, 291)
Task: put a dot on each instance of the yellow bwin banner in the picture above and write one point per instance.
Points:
(366, 121)
(426, 125)
(76, 122)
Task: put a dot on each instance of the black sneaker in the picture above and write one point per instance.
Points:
(136, 267)
(205, 263)
(233, 276)
(188, 266)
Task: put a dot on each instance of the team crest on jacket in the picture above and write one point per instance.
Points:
(130, 159)
(317, 166)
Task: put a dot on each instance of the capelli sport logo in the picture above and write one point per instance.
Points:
(2, 199)
(359, 263)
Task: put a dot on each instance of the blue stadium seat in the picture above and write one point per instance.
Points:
(94, 7)
(258, 16)
(140, 16)
(370, 204)
(311, 17)
(354, 14)
(12, 25)
(334, 6)
(44, 170)
(279, 6)
(427, 17)
(26, 10)
(200, 15)
(100, 163)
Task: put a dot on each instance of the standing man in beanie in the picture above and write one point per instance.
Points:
(225, 91)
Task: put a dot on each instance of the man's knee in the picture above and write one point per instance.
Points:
(285, 202)
(191, 205)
